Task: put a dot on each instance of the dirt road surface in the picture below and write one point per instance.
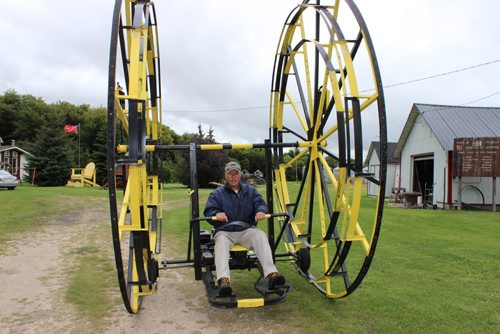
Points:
(34, 280)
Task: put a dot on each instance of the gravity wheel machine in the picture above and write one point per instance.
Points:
(326, 92)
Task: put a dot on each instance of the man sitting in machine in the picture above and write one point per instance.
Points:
(238, 207)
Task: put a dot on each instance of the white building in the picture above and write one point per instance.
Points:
(425, 151)
(373, 163)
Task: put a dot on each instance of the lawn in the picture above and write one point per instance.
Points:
(434, 270)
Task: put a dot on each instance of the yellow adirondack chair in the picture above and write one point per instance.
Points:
(83, 177)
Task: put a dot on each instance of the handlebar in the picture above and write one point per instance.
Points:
(267, 216)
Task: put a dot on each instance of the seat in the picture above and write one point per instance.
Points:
(85, 177)
(239, 248)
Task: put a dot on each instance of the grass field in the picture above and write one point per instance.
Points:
(434, 271)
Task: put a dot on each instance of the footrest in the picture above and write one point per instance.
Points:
(270, 297)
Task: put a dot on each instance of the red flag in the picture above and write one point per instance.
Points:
(71, 128)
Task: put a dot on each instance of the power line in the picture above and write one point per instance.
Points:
(483, 98)
(387, 86)
(442, 74)
(466, 103)
(219, 110)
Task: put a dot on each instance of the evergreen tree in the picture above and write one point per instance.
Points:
(51, 159)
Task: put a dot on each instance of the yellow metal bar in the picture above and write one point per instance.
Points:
(345, 211)
(128, 21)
(149, 293)
(278, 190)
(340, 189)
(124, 148)
(134, 302)
(136, 183)
(322, 100)
(297, 112)
(369, 100)
(132, 228)
(336, 9)
(284, 186)
(241, 146)
(362, 239)
(207, 147)
(253, 302)
(321, 210)
(356, 204)
(349, 66)
(295, 158)
(123, 210)
(306, 68)
(120, 113)
(305, 207)
(336, 295)
(135, 65)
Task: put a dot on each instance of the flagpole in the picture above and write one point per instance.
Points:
(79, 164)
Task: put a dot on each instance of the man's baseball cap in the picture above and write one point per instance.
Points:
(233, 165)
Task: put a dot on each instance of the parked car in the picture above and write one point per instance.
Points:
(7, 180)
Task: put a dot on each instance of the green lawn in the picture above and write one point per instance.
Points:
(27, 208)
(434, 270)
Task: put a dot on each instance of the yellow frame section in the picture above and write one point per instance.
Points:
(142, 189)
(347, 201)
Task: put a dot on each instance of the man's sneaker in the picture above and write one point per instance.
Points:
(224, 287)
(275, 279)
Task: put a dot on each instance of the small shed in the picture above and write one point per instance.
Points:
(14, 160)
(372, 161)
(425, 151)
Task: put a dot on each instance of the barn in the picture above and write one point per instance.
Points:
(14, 159)
(372, 161)
(425, 152)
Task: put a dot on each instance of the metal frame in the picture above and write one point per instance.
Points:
(327, 91)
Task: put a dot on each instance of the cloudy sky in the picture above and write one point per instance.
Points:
(218, 55)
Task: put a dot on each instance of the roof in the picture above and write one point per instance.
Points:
(9, 148)
(375, 146)
(450, 122)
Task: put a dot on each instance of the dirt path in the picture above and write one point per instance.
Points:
(32, 276)
(33, 282)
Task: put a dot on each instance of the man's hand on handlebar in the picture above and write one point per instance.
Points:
(221, 216)
(260, 216)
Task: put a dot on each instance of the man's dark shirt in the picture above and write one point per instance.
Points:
(241, 206)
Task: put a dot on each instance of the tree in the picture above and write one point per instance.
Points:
(210, 164)
(52, 157)
(9, 104)
(295, 171)
(251, 160)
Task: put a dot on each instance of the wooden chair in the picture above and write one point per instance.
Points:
(85, 177)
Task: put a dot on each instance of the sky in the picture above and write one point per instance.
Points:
(218, 55)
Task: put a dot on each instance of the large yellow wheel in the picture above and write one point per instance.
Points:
(326, 89)
(133, 125)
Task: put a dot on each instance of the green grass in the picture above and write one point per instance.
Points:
(91, 272)
(433, 271)
(27, 208)
(89, 282)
